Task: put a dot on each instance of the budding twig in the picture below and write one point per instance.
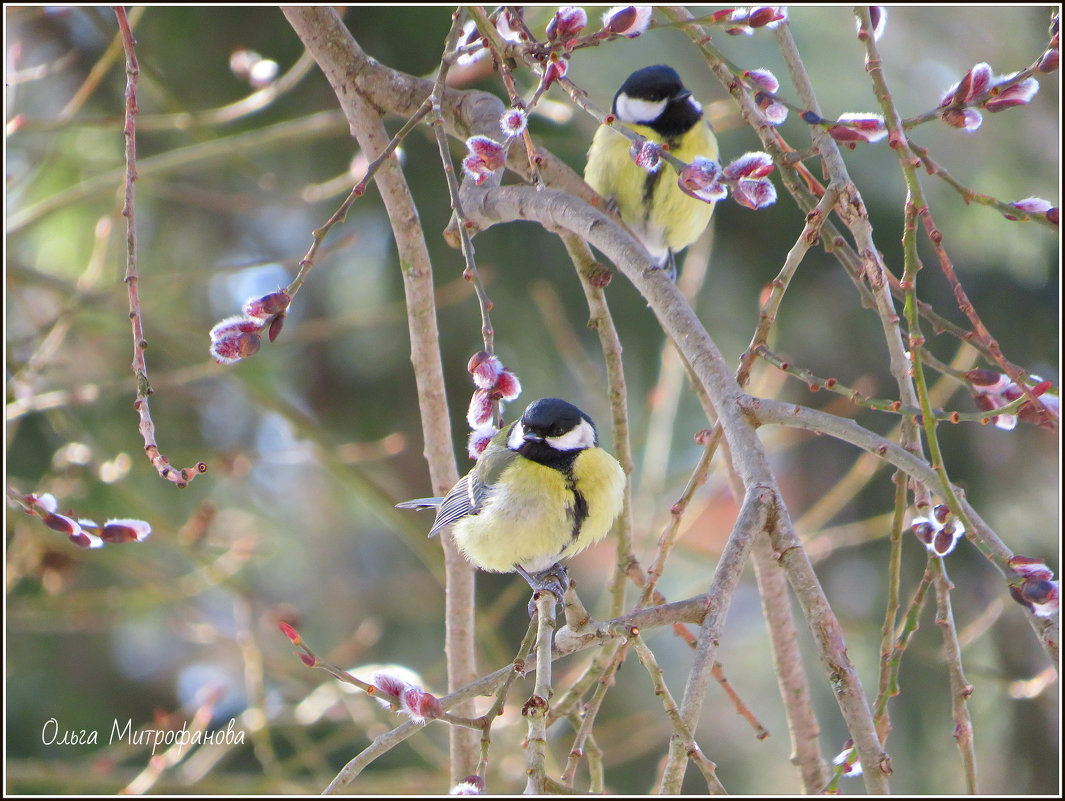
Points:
(319, 234)
(437, 122)
(960, 689)
(680, 729)
(183, 476)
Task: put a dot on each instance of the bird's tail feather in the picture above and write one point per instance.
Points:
(421, 503)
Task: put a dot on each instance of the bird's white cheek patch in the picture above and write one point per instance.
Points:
(631, 109)
(583, 436)
(516, 436)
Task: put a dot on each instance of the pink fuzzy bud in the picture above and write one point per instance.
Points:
(995, 394)
(481, 407)
(756, 193)
(45, 501)
(267, 305)
(923, 530)
(1043, 597)
(231, 326)
(975, 83)
(967, 119)
(290, 632)
(556, 69)
(702, 179)
(940, 533)
(226, 351)
(475, 168)
(944, 541)
(276, 325)
(1029, 413)
(847, 759)
(420, 705)
(982, 377)
(507, 30)
(565, 26)
(762, 79)
(513, 122)
(125, 530)
(471, 785)
(1030, 566)
(1017, 95)
(628, 21)
(775, 113)
(248, 344)
(393, 685)
(485, 369)
(507, 386)
(1037, 591)
(479, 439)
(62, 524)
(647, 155)
(855, 127)
(1049, 61)
(84, 539)
(234, 347)
(470, 39)
(1031, 205)
(878, 19)
(491, 153)
(755, 164)
(764, 15)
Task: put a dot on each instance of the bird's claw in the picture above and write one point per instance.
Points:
(670, 266)
(554, 580)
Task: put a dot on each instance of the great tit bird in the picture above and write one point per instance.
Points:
(542, 491)
(655, 104)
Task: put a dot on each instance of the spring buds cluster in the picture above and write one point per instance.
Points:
(494, 383)
(240, 336)
(940, 532)
(706, 180)
(83, 532)
(1034, 587)
(992, 390)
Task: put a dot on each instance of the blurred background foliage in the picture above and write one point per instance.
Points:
(310, 442)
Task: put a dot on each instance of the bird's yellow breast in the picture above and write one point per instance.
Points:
(664, 218)
(528, 519)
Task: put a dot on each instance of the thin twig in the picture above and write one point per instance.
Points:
(183, 476)
(306, 264)
(536, 708)
(960, 689)
(809, 236)
(680, 729)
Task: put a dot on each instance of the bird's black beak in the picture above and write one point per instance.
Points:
(530, 437)
(682, 95)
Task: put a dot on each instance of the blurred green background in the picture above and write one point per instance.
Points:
(311, 441)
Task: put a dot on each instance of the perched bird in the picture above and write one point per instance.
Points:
(542, 491)
(655, 104)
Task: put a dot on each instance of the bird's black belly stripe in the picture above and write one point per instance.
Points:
(579, 510)
(649, 184)
(651, 181)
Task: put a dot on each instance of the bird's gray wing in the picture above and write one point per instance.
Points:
(465, 498)
(471, 491)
